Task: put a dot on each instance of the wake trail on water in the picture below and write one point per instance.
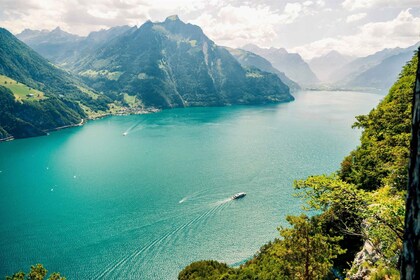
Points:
(195, 224)
(133, 127)
(169, 236)
(192, 196)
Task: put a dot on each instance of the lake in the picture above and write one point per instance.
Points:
(95, 204)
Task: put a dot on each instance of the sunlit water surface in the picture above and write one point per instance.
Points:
(94, 204)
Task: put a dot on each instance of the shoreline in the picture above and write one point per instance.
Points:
(126, 112)
(7, 139)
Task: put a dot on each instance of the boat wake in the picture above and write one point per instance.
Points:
(133, 128)
(135, 258)
(191, 196)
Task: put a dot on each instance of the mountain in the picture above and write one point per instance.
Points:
(54, 45)
(174, 64)
(63, 48)
(249, 59)
(291, 64)
(325, 65)
(376, 71)
(36, 96)
(380, 75)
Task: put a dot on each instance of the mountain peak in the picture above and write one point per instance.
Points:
(172, 18)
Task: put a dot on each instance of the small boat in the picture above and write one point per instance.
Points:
(125, 134)
(239, 195)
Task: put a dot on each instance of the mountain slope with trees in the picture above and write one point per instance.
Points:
(291, 64)
(249, 59)
(173, 64)
(62, 94)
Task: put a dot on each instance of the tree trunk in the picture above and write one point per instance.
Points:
(410, 265)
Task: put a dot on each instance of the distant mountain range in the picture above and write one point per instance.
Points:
(324, 66)
(249, 59)
(290, 64)
(376, 71)
(64, 48)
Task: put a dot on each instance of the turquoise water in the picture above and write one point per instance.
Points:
(94, 204)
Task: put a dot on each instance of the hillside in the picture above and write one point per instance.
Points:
(381, 76)
(249, 59)
(290, 64)
(57, 95)
(376, 72)
(361, 208)
(173, 64)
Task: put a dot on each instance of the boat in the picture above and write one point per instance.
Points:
(125, 134)
(238, 195)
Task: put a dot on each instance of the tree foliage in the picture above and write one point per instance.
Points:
(37, 272)
(382, 157)
(304, 252)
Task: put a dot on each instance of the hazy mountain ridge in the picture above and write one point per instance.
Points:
(376, 72)
(327, 64)
(250, 59)
(382, 75)
(291, 64)
(63, 48)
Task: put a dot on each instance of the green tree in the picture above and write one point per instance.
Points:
(305, 251)
(37, 272)
(382, 157)
(211, 270)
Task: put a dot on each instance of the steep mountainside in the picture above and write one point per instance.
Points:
(173, 64)
(35, 95)
(291, 64)
(382, 75)
(325, 65)
(376, 71)
(249, 59)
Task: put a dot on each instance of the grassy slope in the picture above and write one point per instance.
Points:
(21, 91)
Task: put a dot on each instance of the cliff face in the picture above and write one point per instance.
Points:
(410, 268)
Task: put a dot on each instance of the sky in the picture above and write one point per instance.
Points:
(311, 27)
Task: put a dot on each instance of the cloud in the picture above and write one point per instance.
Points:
(360, 4)
(402, 31)
(259, 23)
(81, 17)
(355, 17)
(292, 11)
(238, 25)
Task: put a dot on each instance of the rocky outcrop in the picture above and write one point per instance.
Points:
(367, 257)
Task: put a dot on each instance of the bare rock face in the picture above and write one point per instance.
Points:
(410, 267)
(363, 260)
